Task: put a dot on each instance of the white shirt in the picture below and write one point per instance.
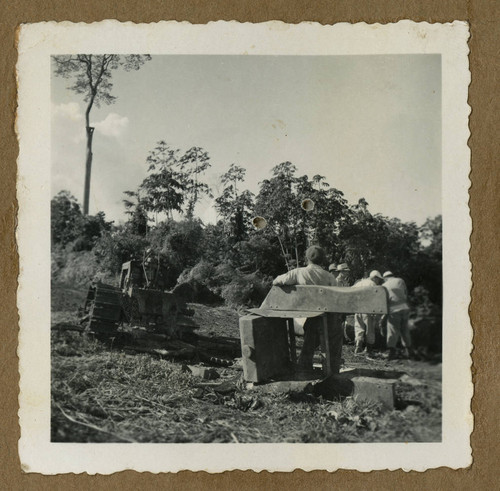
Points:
(398, 296)
(310, 275)
(364, 282)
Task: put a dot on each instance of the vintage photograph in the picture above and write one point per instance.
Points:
(185, 187)
(245, 234)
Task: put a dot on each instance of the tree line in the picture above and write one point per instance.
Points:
(232, 258)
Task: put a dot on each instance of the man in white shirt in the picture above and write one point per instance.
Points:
(365, 324)
(314, 274)
(397, 318)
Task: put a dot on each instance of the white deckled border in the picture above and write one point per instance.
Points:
(37, 42)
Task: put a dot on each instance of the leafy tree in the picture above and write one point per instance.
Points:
(280, 201)
(369, 241)
(260, 254)
(329, 218)
(93, 227)
(163, 189)
(138, 217)
(173, 181)
(231, 178)
(114, 248)
(69, 226)
(194, 163)
(430, 259)
(243, 204)
(233, 205)
(215, 244)
(224, 203)
(176, 246)
(277, 203)
(92, 78)
(66, 218)
(323, 223)
(431, 237)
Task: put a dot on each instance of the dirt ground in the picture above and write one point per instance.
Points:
(103, 394)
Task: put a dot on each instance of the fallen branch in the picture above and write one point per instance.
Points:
(93, 427)
(66, 326)
(221, 362)
(224, 345)
(162, 353)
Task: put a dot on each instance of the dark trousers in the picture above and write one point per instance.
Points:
(312, 332)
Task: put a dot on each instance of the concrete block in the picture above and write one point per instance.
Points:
(374, 390)
(370, 389)
(381, 390)
(264, 348)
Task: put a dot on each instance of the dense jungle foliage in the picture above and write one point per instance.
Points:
(232, 258)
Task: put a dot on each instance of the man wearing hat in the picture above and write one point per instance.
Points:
(397, 317)
(365, 324)
(314, 274)
(343, 275)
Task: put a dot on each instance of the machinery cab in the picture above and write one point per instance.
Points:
(132, 274)
(149, 273)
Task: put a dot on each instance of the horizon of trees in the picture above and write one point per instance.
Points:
(231, 257)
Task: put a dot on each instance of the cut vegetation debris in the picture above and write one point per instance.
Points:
(101, 393)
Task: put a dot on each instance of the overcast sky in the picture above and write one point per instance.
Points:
(370, 124)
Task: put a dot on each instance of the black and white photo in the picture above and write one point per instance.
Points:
(256, 242)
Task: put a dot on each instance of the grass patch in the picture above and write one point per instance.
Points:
(100, 395)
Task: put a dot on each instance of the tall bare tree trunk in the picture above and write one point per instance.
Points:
(88, 163)
(90, 71)
(88, 169)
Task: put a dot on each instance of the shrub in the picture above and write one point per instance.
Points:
(78, 269)
(194, 291)
(203, 272)
(70, 226)
(236, 293)
(236, 288)
(115, 248)
(66, 218)
(245, 289)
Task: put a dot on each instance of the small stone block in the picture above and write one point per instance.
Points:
(264, 348)
(204, 373)
(375, 390)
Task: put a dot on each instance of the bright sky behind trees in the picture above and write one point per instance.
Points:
(370, 124)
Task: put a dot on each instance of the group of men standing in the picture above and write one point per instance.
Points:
(365, 324)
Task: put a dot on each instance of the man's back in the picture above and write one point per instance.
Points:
(364, 282)
(398, 297)
(310, 275)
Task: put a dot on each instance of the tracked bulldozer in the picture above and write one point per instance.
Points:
(138, 302)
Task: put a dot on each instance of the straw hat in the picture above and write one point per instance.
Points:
(376, 274)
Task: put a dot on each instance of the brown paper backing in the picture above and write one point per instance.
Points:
(483, 16)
